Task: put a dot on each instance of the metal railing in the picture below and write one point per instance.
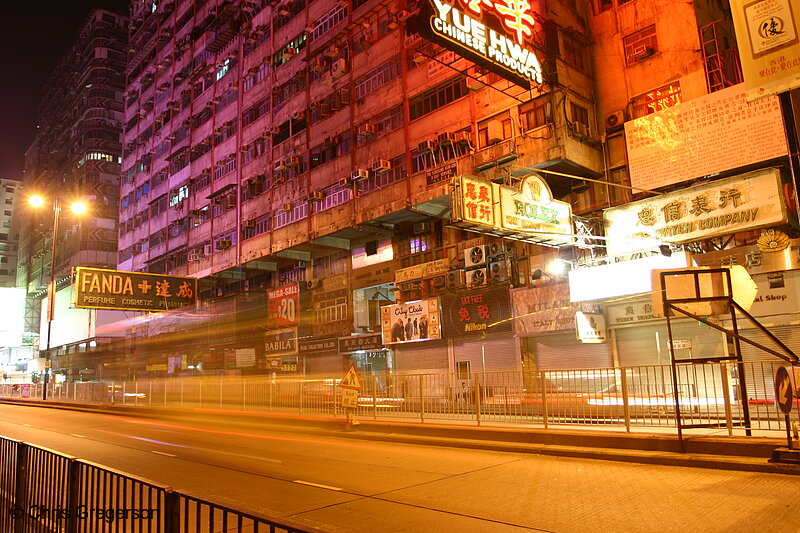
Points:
(48, 492)
(641, 396)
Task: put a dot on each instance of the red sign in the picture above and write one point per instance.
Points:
(515, 15)
(283, 306)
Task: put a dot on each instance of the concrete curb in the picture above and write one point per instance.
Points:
(728, 453)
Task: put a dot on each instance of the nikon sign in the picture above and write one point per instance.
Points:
(97, 288)
(493, 33)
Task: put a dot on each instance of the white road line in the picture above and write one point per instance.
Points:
(163, 453)
(76, 435)
(27, 425)
(301, 482)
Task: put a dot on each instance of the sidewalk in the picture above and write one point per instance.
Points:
(645, 445)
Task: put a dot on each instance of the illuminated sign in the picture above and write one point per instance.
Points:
(280, 342)
(477, 311)
(499, 42)
(411, 321)
(726, 206)
(590, 328)
(283, 305)
(524, 212)
(97, 288)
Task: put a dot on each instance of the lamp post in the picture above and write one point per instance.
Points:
(77, 208)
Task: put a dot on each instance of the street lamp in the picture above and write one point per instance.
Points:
(78, 208)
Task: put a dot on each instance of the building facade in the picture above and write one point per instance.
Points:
(9, 233)
(312, 164)
(75, 156)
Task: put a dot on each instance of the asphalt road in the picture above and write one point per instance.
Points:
(339, 483)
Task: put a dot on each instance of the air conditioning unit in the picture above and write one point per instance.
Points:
(580, 129)
(338, 68)
(277, 179)
(475, 278)
(381, 165)
(287, 206)
(615, 121)
(498, 272)
(332, 51)
(345, 182)
(249, 223)
(312, 284)
(179, 205)
(426, 146)
(300, 115)
(455, 279)
(300, 264)
(494, 132)
(422, 227)
(223, 244)
(475, 256)
(289, 53)
(280, 164)
(446, 138)
(344, 95)
(194, 255)
(402, 16)
(495, 251)
(368, 130)
(360, 174)
(293, 161)
(207, 250)
(463, 137)
(317, 195)
(333, 140)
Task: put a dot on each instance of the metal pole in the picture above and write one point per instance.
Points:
(51, 294)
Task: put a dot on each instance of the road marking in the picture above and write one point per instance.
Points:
(76, 435)
(163, 453)
(301, 482)
(27, 425)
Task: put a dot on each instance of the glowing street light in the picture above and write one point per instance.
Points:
(77, 208)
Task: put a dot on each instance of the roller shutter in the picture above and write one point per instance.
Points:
(563, 351)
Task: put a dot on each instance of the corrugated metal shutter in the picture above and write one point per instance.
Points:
(647, 344)
(562, 351)
(421, 357)
(761, 367)
(501, 352)
(325, 365)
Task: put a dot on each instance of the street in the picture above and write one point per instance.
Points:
(346, 484)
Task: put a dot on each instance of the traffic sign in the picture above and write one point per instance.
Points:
(351, 379)
(350, 398)
(784, 389)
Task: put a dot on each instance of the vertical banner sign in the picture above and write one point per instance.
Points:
(768, 34)
(411, 321)
(283, 307)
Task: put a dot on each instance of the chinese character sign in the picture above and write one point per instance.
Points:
(720, 208)
(98, 288)
(477, 311)
(477, 197)
(411, 321)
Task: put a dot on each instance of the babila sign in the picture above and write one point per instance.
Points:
(493, 33)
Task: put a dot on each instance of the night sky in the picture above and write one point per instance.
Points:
(33, 37)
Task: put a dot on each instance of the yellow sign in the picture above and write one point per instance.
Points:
(99, 288)
(350, 398)
(526, 212)
(351, 379)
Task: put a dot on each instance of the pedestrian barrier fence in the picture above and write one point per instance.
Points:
(42, 491)
(708, 395)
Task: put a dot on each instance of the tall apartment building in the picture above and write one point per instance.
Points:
(312, 156)
(75, 155)
(9, 231)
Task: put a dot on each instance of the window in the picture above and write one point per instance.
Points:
(578, 114)
(418, 244)
(7, 213)
(331, 310)
(329, 20)
(494, 130)
(377, 78)
(535, 114)
(330, 265)
(573, 53)
(640, 45)
(437, 97)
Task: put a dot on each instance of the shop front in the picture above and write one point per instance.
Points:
(321, 356)
(544, 321)
(281, 353)
(373, 361)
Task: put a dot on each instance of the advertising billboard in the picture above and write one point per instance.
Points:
(283, 306)
(484, 310)
(97, 288)
(411, 321)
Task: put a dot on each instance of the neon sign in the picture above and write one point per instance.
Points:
(499, 46)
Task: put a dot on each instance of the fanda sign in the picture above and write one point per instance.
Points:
(495, 34)
(525, 212)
